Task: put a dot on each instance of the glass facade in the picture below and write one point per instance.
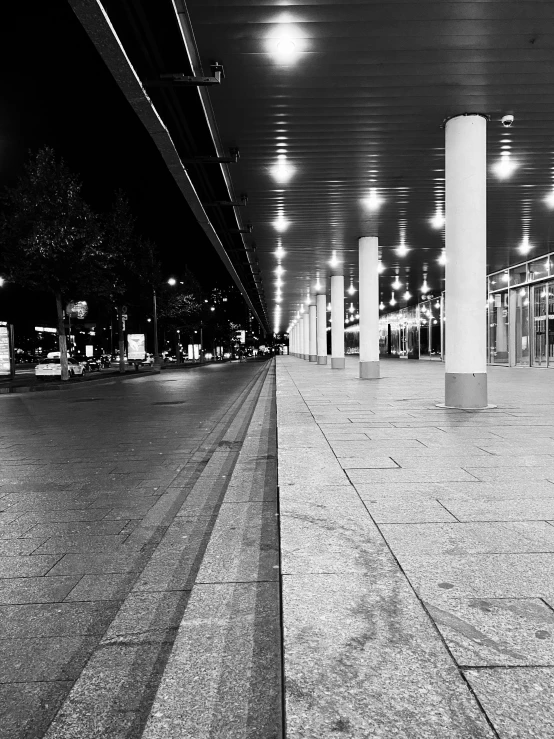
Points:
(521, 314)
(520, 321)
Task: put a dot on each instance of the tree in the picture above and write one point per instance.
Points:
(133, 261)
(180, 307)
(50, 239)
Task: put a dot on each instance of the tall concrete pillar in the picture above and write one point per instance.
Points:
(306, 335)
(300, 336)
(337, 322)
(292, 340)
(313, 336)
(321, 305)
(368, 247)
(466, 266)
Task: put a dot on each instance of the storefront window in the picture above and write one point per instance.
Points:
(519, 326)
(538, 269)
(518, 275)
(498, 328)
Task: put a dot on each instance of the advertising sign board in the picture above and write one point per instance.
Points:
(136, 346)
(5, 351)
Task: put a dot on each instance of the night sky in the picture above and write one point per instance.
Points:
(55, 90)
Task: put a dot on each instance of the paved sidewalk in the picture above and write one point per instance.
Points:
(417, 554)
(122, 506)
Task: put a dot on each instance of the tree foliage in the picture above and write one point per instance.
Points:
(49, 237)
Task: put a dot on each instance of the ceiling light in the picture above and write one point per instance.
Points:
(381, 305)
(380, 267)
(442, 257)
(282, 171)
(392, 301)
(549, 199)
(397, 284)
(505, 166)
(437, 221)
(280, 223)
(285, 43)
(402, 250)
(373, 202)
(351, 309)
(279, 270)
(525, 247)
(334, 261)
(407, 294)
(280, 252)
(351, 290)
(318, 285)
(425, 286)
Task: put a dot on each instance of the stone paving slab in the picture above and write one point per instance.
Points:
(492, 632)
(518, 701)
(464, 565)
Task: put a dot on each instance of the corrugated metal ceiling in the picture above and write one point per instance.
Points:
(362, 107)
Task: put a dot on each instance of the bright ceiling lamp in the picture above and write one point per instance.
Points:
(285, 42)
(280, 223)
(425, 286)
(279, 270)
(351, 309)
(392, 301)
(334, 261)
(437, 221)
(407, 294)
(549, 199)
(351, 290)
(373, 202)
(280, 252)
(525, 247)
(397, 284)
(442, 257)
(380, 267)
(505, 166)
(318, 285)
(282, 171)
(381, 305)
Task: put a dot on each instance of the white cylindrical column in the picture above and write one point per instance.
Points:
(313, 336)
(337, 322)
(466, 262)
(321, 305)
(368, 248)
(292, 340)
(306, 335)
(300, 336)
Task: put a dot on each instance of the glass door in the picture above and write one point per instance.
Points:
(519, 327)
(550, 324)
(539, 325)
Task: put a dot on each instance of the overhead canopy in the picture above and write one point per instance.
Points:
(353, 95)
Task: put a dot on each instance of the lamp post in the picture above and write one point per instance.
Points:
(157, 361)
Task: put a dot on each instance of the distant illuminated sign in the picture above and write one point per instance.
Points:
(78, 308)
(5, 354)
(46, 329)
(136, 346)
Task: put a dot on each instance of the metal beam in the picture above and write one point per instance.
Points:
(95, 21)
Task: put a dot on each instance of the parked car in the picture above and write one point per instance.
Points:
(92, 364)
(51, 367)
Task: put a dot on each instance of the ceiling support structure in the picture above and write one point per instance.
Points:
(95, 21)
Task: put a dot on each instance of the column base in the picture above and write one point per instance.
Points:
(337, 363)
(313, 358)
(370, 370)
(322, 360)
(465, 391)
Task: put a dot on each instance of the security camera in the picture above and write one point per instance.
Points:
(507, 120)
